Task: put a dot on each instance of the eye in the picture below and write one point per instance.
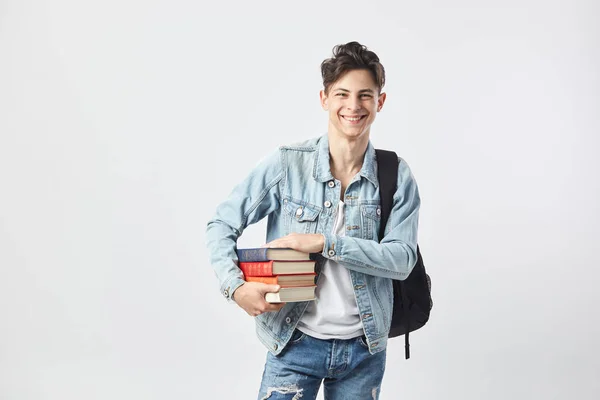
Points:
(366, 96)
(341, 94)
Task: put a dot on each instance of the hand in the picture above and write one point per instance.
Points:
(251, 297)
(305, 242)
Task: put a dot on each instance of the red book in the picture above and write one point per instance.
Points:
(272, 268)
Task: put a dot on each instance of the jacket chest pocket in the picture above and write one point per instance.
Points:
(300, 217)
(371, 220)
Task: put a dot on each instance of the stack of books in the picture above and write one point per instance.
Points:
(292, 270)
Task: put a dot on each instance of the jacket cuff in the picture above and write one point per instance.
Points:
(332, 246)
(230, 286)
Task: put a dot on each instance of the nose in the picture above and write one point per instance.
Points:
(353, 103)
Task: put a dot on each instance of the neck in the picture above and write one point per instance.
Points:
(346, 156)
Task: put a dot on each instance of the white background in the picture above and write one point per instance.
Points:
(124, 123)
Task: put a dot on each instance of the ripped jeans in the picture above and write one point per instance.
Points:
(346, 368)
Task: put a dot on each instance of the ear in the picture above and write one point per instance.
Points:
(380, 101)
(324, 100)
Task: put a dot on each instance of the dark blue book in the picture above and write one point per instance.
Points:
(271, 253)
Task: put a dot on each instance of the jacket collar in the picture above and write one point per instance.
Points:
(322, 171)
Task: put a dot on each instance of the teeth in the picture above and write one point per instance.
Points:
(352, 119)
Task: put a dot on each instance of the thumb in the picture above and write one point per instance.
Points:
(271, 288)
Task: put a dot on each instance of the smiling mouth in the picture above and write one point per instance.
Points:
(353, 119)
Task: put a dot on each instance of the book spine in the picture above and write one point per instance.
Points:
(259, 268)
(269, 280)
(251, 255)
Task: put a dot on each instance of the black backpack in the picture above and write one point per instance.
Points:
(412, 296)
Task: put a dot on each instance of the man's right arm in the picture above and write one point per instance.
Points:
(250, 201)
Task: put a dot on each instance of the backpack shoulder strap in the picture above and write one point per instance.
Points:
(387, 175)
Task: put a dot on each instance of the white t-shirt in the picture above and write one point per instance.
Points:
(334, 313)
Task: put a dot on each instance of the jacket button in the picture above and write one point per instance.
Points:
(275, 347)
(378, 211)
(331, 184)
(299, 211)
(327, 204)
(331, 253)
(226, 293)
(288, 320)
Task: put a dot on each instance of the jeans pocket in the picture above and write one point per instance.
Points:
(297, 337)
(362, 340)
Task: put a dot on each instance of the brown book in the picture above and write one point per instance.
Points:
(285, 280)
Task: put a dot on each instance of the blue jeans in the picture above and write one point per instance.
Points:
(346, 368)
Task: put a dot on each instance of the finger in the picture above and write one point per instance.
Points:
(274, 243)
(275, 306)
(281, 242)
(270, 289)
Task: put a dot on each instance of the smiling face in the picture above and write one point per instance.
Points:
(352, 102)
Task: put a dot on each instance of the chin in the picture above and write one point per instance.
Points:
(355, 132)
(355, 136)
(352, 133)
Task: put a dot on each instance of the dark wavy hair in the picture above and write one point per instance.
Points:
(351, 56)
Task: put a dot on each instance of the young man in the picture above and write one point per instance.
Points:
(321, 196)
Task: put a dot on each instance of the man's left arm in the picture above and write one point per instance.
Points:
(396, 254)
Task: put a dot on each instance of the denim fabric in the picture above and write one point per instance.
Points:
(346, 367)
(293, 187)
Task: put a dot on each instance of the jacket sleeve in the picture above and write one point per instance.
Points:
(396, 254)
(250, 201)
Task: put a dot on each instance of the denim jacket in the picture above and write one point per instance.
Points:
(294, 188)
